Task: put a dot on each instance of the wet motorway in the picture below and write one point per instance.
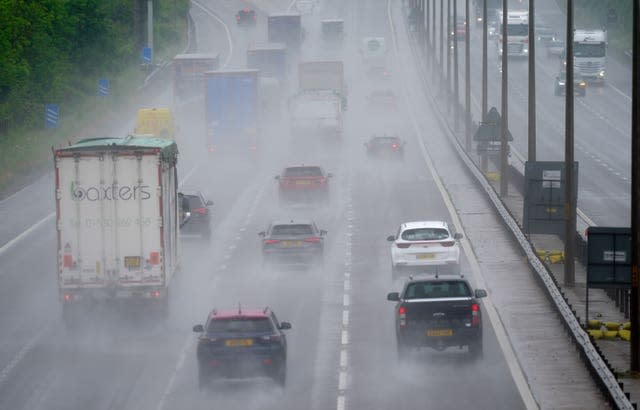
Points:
(342, 351)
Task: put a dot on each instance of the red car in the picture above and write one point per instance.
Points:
(303, 183)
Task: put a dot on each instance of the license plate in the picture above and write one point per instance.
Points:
(132, 262)
(425, 256)
(303, 182)
(239, 342)
(439, 332)
(292, 243)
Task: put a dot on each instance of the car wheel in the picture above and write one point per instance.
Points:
(475, 350)
(203, 379)
(281, 374)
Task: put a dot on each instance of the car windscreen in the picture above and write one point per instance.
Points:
(240, 325)
(589, 50)
(425, 234)
(437, 289)
(303, 172)
(292, 230)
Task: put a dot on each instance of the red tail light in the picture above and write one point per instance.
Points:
(394, 146)
(155, 294)
(201, 211)
(214, 362)
(271, 241)
(267, 361)
(403, 245)
(448, 244)
(475, 315)
(402, 315)
(312, 239)
(320, 180)
(68, 297)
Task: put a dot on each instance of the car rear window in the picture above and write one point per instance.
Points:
(292, 229)
(384, 140)
(194, 201)
(425, 234)
(439, 289)
(303, 172)
(240, 325)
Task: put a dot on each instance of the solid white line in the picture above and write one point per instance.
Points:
(24, 234)
(514, 365)
(4, 373)
(226, 29)
(23, 189)
(616, 89)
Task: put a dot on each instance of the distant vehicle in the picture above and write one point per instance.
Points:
(579, 84)
(385, 146)
(374, 55)
(155, 122)
(241, 343)
(517, 34)
(332, 29)
(285, 28)
(199, 218)
(117, 224)
(270, 60)
(590, 54)
(555, 48)
(492, 7)
(438, 312)
(188, 74)
(295, 241)
(425, 246)
(382, 99)
(303, 183)
(232, 111)
(246, 17)
(461, 28)
(544, 34)
(492, 29)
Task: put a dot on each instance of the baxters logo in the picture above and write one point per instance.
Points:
(113, 192)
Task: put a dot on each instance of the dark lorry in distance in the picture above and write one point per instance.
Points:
(438, 312)
(285, 28)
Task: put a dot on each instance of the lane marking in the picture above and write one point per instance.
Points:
(24, 234)
(4, 373)
(226, 29)
(174, 374)
(505, 344)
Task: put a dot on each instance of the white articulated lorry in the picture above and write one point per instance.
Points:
(117, 223)
(517, 34)
(318, 106)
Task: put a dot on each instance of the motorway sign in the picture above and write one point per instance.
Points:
(608, 257)
(103, 87)
(490, 129)
(147, 55)
(51, 116)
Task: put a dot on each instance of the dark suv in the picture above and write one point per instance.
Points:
(438, 312)
(195, 214)
(292, 242)
(242, 343)
(246, 17)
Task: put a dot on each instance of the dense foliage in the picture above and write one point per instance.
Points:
(55, 50)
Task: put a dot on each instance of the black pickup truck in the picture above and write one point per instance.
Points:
(438, 312)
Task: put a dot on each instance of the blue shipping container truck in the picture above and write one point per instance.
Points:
(231, 110)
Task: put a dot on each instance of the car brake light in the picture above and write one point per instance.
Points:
(155, 294)
(448, 244)
(403, 245)
(312, 239)
(201, 211)
(320, 180)
(402, 315)
(394, 146)
(68, 297)
(475, 314)
(271, 241)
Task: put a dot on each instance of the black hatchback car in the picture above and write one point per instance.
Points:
(292, 242)
(195, 214)
(246, 17)
(242, 343)
(385, 146)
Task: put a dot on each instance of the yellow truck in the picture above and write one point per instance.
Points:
(157, 122)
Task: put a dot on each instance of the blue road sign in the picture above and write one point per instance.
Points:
(147, 55)
(103, 87)
(51, 116)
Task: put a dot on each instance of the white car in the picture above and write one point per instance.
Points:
(425, 246)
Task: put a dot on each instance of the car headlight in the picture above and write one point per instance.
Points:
(601, 74)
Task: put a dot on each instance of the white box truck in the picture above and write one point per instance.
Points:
(117, 223)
